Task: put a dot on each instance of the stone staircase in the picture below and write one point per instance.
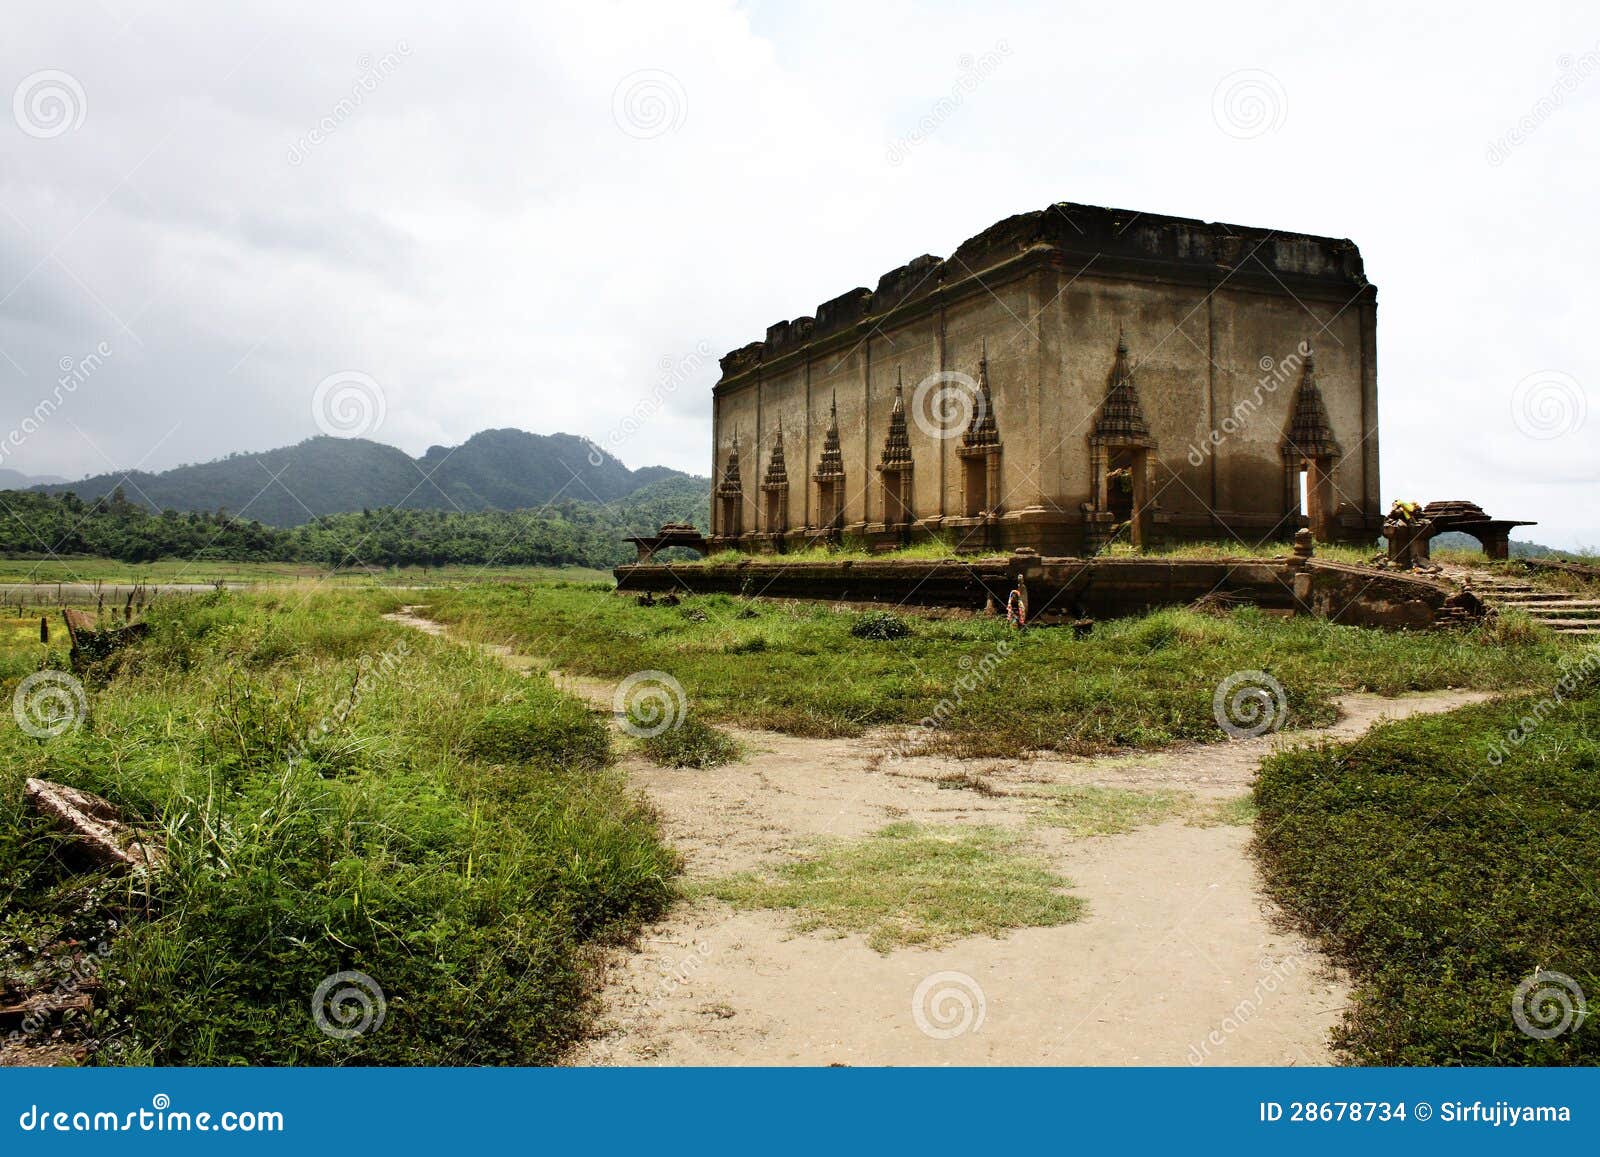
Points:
(1561, 611)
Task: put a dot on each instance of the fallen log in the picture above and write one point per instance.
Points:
(94, 822)
(46, 1008)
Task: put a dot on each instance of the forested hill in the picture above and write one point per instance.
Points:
(16, 480)
(560, 533)
(492, 470)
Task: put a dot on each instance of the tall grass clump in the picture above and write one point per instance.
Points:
(336, 794)
(693, 743)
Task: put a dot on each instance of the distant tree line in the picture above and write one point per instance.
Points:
(566, 533)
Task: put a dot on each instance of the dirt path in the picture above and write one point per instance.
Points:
(1177, 961)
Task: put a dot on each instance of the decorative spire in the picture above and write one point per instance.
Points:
(1310, 434)
(897, 446)
(982, 433)
(777, 473)
(831, 465)
(732, 485)
(1121, 418)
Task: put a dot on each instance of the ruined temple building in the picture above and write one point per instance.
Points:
(1067, 377)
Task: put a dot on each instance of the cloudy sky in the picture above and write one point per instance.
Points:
(534, 215)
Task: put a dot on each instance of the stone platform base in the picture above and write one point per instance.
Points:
(1075, 588)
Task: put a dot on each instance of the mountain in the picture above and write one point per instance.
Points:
(17, 480)
(492, 470)
(34, 524)
(1454, 540)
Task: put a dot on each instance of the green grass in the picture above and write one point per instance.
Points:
(21, 652)
(1108, 811)
(1232, 548)
(942, 550)
(1444, 866)
(207, 572)
(1237, 812)
(911, 885)
(847, 552)
(1136, 683)
(693, 743)
(1090, 810)
(335, 793)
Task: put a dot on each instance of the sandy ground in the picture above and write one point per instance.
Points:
(1178, 960)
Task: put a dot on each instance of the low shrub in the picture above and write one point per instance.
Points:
(693, 743)
(881, 625)
(545, 730)
(1447, 861)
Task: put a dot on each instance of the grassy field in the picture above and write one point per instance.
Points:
(69, 570)
(335, 793)
(21, 652)
(342, 794)
(1446, 864)
(1142, 682)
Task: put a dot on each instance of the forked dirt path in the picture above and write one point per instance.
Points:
(1177, 960)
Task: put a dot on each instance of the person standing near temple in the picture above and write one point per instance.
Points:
(1017, 604)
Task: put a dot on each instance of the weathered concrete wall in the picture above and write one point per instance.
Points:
(1072, 587)
(1214, 316)
(1362, 597)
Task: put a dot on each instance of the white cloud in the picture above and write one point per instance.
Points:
(481, 237)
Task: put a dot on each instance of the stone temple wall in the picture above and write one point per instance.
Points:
(1216, 320)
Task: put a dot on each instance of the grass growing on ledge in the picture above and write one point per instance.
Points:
(1136, 683)
(1445, 865)
(1231, 548)
(910, 884)
(922, 551)
(941, 551)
